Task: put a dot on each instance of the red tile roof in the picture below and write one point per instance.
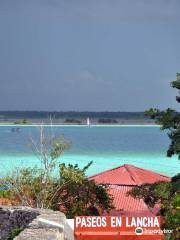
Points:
(127, 205)
(128, 175)
(121, 180)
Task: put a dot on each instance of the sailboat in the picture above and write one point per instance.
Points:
(88, 122)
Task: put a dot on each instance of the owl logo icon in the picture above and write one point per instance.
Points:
(139, 231)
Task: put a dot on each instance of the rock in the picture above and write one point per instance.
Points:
(12, 218)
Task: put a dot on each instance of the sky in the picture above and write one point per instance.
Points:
(95, 55)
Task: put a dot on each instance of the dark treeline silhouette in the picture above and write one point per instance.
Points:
(70, 114)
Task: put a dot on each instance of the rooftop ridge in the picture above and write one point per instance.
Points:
(147, 170)
(109, 170)
(127, 166)
(128, 174)
(134, 177)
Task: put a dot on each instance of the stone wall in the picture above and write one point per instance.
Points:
(38, 224)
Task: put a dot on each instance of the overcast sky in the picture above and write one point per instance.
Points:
(116, 55)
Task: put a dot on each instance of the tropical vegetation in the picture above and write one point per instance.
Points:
(53, 184)
(166, 194)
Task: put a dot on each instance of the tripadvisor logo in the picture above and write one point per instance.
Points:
(138, 231)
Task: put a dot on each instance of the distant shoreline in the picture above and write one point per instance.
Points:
(70, 118)
(78, 125)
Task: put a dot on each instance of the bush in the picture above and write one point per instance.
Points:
(73, 121)
(168, 196)
(78, 195)
(22, 121)
(71, 191)
(107, 120)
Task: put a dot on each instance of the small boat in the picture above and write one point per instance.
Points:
(15, 129)
(88, 122)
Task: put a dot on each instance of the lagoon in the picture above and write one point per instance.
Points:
(107, 146)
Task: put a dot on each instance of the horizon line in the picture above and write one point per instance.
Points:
(80, 111)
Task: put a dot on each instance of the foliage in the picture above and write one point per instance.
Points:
(69, 114)
(107, 120)
(23, 121)
(79, 195)
(71, 192)
(169, 120)
(7, 194)
(33, 186)
(73, 121)
(152, 193)
(166, 194)
(15, 233)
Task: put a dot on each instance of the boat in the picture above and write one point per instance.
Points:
(88, 122)
(15, 129)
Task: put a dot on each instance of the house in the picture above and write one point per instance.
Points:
(120, 181)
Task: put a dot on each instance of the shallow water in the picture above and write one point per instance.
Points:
(107, 147)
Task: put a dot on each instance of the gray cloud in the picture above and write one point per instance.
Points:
(88, 55)
(102, 10)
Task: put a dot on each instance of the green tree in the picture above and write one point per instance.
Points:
(166, 194)
(80, 196)
(169, 120)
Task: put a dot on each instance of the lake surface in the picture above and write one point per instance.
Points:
(107, 147)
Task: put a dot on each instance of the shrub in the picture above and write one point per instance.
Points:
(70, 191)
(22, 121)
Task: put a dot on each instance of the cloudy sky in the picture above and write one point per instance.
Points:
(116, 55)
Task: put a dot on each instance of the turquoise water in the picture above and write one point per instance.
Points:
(107, 147)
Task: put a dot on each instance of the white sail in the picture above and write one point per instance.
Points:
(88, 121)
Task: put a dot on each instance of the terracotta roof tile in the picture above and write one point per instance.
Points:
(128, 175)
(127, 205)
(121, 180)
